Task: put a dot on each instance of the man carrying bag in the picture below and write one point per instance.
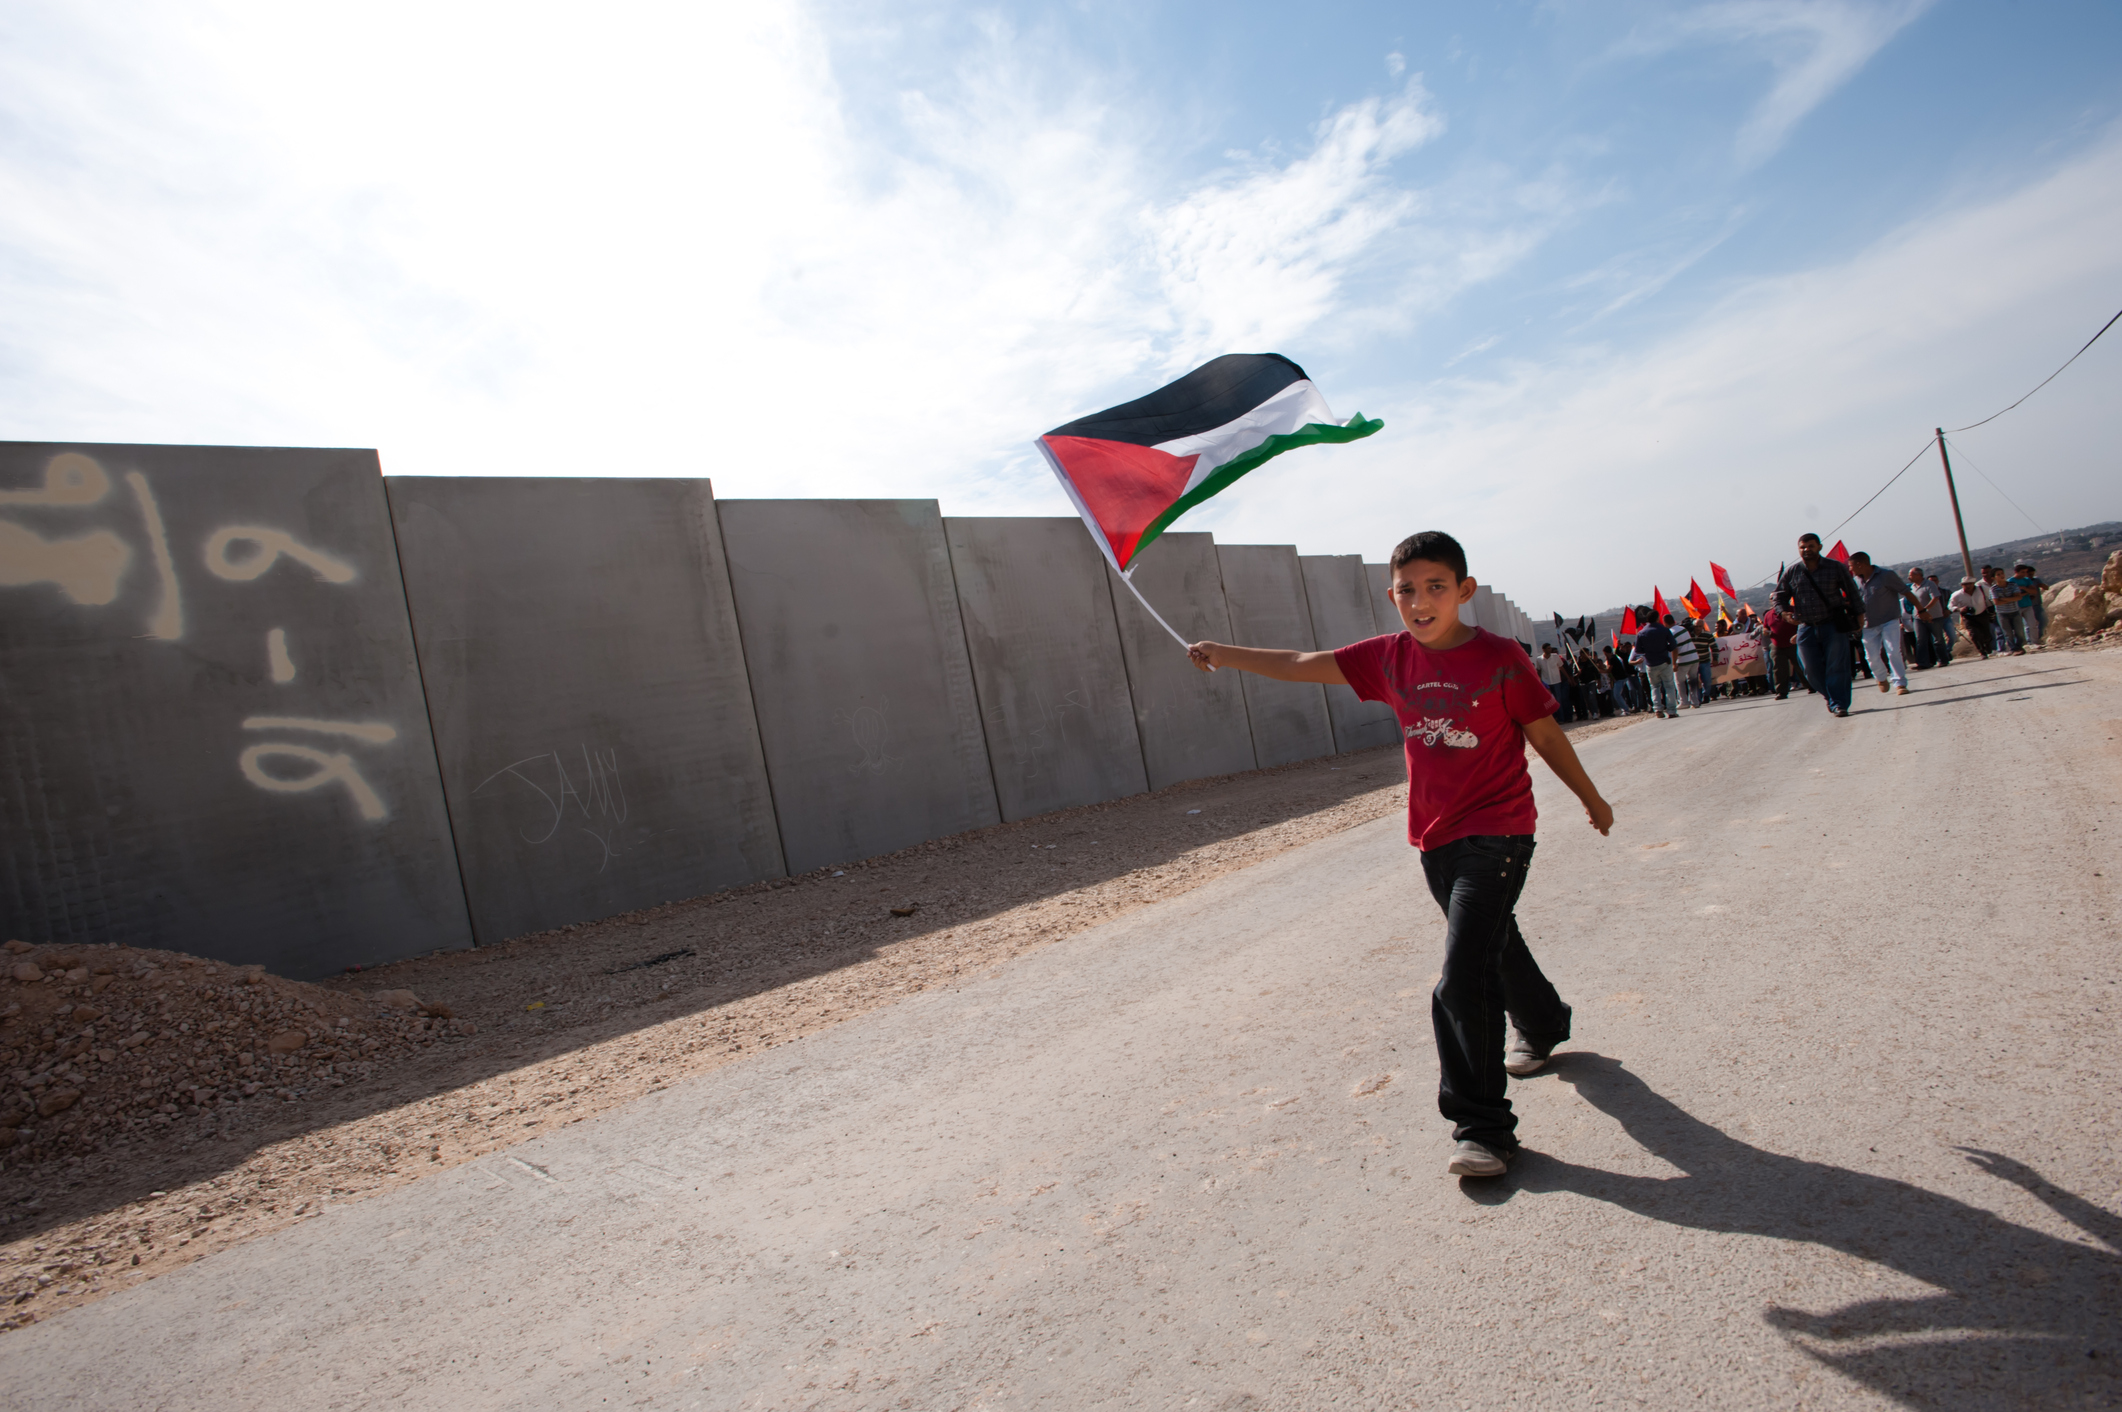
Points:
(1823, 596)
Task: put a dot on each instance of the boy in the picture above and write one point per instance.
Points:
(1468, 701)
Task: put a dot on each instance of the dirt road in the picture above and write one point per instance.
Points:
(1838, 1128)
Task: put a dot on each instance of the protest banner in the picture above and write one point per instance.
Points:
(1737, 657)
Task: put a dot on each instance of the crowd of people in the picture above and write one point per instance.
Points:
(1829, 625)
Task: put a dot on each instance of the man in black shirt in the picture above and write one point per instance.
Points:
(1821, 594)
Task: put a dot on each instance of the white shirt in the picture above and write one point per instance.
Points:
(1971, 598)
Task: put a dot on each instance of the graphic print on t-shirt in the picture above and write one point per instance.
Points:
(1438, 707)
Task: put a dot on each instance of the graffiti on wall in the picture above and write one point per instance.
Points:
(599, 800)
(89, 563)
(1036, 735)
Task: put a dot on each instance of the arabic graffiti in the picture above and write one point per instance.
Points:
(89, 569)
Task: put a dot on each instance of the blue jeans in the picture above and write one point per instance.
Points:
(1664, 689)
(1823, 653)
(1561, 692)
(1882, 648)
(1488, 973)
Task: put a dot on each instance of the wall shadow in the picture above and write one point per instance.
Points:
(603, 980)
(2020, 1318)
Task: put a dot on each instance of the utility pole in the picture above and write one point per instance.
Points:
(1967, 560)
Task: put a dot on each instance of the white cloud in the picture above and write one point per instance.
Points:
(501, 240)
(1260, 258)
(1779, 409)
(1814, 46)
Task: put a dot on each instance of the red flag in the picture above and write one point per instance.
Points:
(1717, 572)
(1628, 622)
(1617, 640)
(1838, 553)
(1697, 601)
(1657, 604)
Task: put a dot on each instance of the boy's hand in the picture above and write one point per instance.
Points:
(1203, 655)
(1600, 813)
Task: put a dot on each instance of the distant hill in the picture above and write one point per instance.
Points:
(2069, 554)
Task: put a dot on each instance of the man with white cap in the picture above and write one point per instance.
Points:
(1976, 612)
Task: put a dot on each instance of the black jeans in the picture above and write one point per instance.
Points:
(1978, 627)
(1487, 972)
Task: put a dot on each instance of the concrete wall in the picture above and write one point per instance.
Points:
(1192, 725)
(1384, 619)
(588, 694)
(1264, 588)
(214, 737)
(859, 669)
(1485, 608)
(1045, 648)
(1340, 614)
(217, 735)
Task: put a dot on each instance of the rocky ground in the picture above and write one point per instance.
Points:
(156, 1107)
(2086, 610)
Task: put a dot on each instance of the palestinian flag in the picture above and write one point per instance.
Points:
(1135, 468)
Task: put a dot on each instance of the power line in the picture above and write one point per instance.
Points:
(1961, 452)
(2045, 381)
(1970, 427)
(1920, 454)
(1985, 421)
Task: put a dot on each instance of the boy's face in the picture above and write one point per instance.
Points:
(1427, 596)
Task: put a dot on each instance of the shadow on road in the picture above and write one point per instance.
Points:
(1896, 704)
(692, 957)
(2016, 1318)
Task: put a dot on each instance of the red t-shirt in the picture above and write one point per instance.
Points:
(1463, 714)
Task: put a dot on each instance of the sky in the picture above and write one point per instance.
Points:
(1633, 285)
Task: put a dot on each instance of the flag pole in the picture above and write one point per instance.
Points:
(1154, 613)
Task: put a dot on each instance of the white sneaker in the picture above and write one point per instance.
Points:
(1471, 1159)
(1521, 1056)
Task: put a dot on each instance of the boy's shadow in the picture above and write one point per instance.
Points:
(2029, 1318)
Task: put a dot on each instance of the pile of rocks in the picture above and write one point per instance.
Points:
(2085, 608)
(101, 1044)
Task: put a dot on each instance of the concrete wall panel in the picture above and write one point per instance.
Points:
(1193, 725)
(1340, 614)
(588, 694)
(1046, 661)
(1375, 579)
(212, 736)
(858, 666)
(1486, 607)
(1264, 586)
